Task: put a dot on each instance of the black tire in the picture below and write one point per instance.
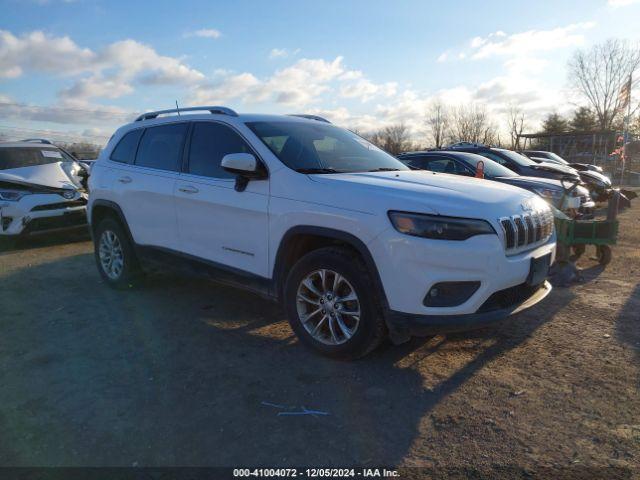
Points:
(131, 271)
(603, 254)
(371, 329)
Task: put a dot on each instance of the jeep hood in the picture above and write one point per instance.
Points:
(423, 191)
(48, 176)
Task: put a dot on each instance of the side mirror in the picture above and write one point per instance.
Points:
(245, 166)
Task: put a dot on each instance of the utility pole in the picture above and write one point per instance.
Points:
(625, 136)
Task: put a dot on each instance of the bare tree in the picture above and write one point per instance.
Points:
(437, 120)
(516, 125)
(471, 123)
(395, 139)
(600, 73)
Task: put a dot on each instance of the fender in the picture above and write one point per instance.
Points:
(279, 275)
(116, 209)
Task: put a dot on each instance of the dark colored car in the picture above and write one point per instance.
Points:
(555, 158)
(599, 184)
(465, 163)
(518, 163)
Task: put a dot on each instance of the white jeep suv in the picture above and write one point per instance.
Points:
(354, 244)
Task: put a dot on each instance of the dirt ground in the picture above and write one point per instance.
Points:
(185, 372)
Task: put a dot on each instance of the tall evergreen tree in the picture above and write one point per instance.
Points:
(554, 123)
(583, 120)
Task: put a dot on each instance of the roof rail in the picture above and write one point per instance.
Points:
(37, 140)
(310, 117)
(211, 109)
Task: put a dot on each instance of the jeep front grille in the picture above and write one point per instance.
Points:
(526, 230)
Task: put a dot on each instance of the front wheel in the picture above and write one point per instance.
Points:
(114, 254)
(331, 306)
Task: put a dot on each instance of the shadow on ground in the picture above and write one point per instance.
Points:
(628, 323)
(176, 373)
(45, 240)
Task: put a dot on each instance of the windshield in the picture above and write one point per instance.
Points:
(491, 168)
(557, 158)
(18, 157)
(322, 148)
(516, 157)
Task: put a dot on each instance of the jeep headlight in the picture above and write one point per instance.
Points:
(438, 227)
(12, 195)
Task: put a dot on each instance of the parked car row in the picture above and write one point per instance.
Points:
(356, 245)
(464, 163)
(598, 183)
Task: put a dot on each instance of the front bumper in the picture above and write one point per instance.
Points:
(409, 266)
(404, 325)
(41, 213)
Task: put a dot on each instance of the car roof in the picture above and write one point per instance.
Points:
(226, 118)
(27, 145)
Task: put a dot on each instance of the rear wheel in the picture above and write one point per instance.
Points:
(330, 304)
(114, 254)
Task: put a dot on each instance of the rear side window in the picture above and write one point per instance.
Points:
(28, 157)
(161, 147)
(210, 142)
(125, 151)
(438, 164)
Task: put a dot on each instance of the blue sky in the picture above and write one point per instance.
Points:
(86, 66)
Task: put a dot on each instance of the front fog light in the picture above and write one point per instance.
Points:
(450, 294)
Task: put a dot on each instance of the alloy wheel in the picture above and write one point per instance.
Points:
(111, 254)
(328, 307)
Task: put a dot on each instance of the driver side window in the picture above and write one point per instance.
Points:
(210, 142)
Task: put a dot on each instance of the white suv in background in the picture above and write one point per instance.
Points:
(353, 243)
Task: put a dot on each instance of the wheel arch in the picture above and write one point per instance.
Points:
(101, 209)
(302, 239)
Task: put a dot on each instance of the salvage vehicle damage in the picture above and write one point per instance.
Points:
(41, 190)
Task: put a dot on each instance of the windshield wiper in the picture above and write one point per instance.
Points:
(316, 170)
(384, 169)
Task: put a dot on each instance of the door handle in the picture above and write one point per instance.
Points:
(188, 189)
(125, 179)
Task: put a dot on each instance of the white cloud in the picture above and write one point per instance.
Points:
(283, 53)
(443, 57)
(38, 52)
(278, 53)
(621, 3)
(501, 44)
(108, 73)
(297, 85)
(365, 89)
(64, 112)
(205, 33)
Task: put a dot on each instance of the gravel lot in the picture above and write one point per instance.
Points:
(176, 373)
